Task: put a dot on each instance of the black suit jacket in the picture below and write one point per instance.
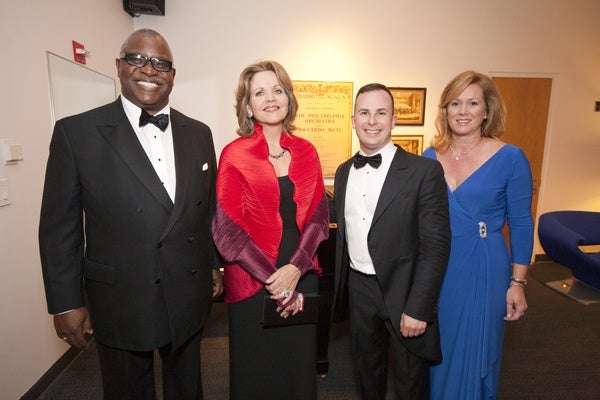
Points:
(144, 265)
(409, 243)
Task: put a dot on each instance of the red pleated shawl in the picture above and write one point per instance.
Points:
(247, 227)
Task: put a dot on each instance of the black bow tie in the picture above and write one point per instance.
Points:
(360, 160)
(160, 120)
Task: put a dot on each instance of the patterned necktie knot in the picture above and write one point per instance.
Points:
(360, 160)
(160, 120)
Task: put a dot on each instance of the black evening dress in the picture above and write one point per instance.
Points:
(277, 362)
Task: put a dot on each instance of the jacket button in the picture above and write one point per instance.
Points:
(158, 246)
(157, 281)
(191, 239)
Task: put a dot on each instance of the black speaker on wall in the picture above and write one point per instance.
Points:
(137, 7)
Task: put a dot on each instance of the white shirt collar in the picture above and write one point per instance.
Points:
(387, 152)
(133, 112)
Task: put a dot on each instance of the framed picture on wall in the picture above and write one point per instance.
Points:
(411, 143)
(409, 105)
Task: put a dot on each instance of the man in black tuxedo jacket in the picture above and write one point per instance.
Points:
(124, 231)
(392, 247)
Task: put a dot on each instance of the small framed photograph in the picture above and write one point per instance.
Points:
(411, 143)
(409, 105)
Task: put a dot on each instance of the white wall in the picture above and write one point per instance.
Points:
(28, 344)
(404, 43)
(396, 42)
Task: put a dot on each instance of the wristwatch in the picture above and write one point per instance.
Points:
(522, 282)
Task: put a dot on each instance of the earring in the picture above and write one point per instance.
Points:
(249, 114)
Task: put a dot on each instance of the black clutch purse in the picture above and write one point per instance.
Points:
(272, 318)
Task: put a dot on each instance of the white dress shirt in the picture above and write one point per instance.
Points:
(157, 144)
(362, 195)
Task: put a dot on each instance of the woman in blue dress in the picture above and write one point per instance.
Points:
(489, 184)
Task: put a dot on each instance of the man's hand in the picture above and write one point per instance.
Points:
(410, 327)
(217, 278)
(74, 327)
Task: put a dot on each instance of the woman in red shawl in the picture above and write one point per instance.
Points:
(271, 216)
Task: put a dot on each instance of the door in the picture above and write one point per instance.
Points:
(527, 102)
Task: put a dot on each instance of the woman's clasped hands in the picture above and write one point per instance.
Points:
(282, 286)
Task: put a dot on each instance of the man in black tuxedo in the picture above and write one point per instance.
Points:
(392, 247)
(124, 231)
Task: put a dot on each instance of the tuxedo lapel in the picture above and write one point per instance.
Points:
(120, 136)
(395, 181)
(182, 149)
(341, 184)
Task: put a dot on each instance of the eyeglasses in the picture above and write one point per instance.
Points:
(138, 61)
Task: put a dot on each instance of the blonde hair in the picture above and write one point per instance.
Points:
(492, 126)
(242, 96)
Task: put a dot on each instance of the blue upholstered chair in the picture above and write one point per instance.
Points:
(561, 234)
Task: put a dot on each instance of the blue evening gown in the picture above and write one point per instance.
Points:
(473, 295)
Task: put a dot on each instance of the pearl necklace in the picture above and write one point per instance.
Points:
(278, 156)
(459, 155)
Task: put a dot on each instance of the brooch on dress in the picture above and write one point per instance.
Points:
(482, 229)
